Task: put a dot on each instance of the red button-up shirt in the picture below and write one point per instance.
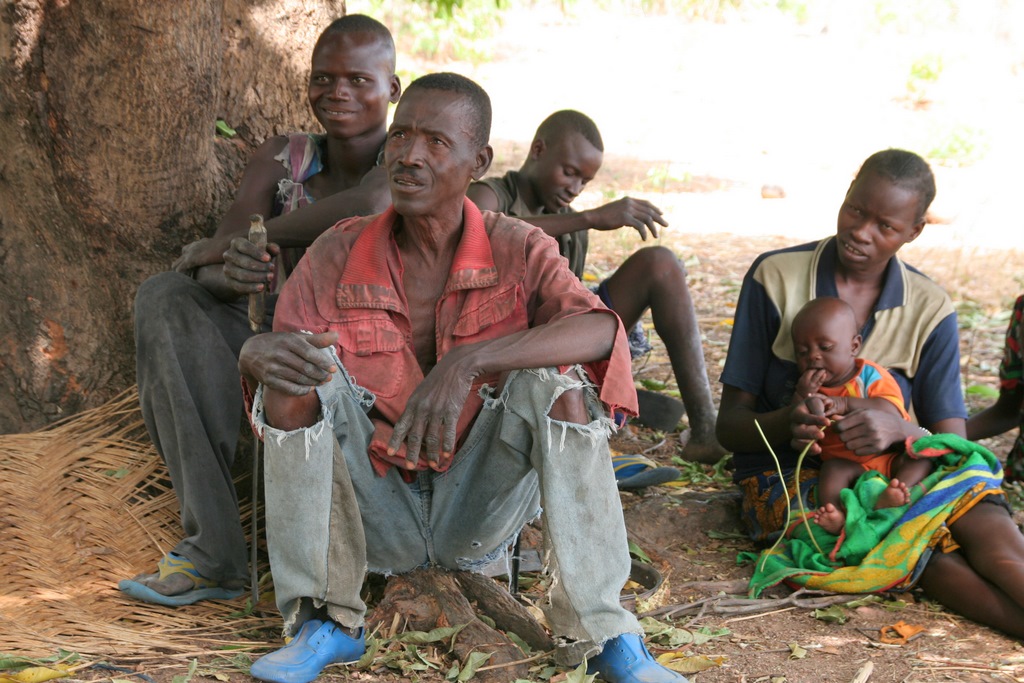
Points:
(506, 276)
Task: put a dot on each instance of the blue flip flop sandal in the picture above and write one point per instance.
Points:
(205, 589)
(634, 472)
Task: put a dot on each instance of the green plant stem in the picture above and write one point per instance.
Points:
(789, 506)
(782, 479)
(800, 498)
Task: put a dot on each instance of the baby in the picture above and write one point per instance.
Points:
(834, 382)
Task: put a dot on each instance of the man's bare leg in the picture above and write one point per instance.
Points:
(654, 278)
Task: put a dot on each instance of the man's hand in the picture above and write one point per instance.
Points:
(432, 412)
(867, 431)
(288, 362)
(809, 383)
(203, 252)
(627, 212)
(247, 268)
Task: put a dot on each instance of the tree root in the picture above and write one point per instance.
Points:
(507, 613)
(426, 599)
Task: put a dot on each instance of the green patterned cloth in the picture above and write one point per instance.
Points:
(879, 549)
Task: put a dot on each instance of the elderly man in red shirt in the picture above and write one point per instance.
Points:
(435, 376)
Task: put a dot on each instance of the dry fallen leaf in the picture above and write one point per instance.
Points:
(899, 633)
(685, 664)
(36, 674)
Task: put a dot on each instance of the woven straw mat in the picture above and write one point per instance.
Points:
(83, 504)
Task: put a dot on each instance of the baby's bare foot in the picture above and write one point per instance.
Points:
(830, 518)
(895, 495)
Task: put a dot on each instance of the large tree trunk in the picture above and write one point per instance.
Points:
(111, 163)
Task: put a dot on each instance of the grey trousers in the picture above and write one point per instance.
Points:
(330, 518)
(187, 343)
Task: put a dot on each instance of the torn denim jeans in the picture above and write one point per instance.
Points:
(330, 518)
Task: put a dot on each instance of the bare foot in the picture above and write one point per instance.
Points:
(830, 518)
(173, 584)
(704, 450)
(179, 583)
(895, 495)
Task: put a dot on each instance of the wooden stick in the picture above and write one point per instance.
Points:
(757, 616)
(257, 314)
(864, 673)
(534, 658)
(257, 300)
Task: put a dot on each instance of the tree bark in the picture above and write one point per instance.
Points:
(111, 163)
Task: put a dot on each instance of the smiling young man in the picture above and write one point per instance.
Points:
(446, 447)
(565, 155)
(188, 330)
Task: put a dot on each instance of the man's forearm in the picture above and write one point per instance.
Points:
(301, 228)
(998, 418)
(580, 339)
(737, 431)
(864, 403)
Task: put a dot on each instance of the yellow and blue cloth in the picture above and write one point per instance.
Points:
(884, 549)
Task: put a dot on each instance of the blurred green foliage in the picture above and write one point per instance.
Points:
(924, 71)
(460, 29)
(906, 15)
(441, 30)
(958, 144)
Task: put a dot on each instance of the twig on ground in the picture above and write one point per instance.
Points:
(735, 587)
(539, 655)
(727, 604)
(931, 662)
(758, 616)
(868, 633)
(654, 447)
(864, 673)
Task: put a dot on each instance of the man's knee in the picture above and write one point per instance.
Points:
(566, 397)
(570, 407)
(160, 293)
(658, 261)
(160, 286)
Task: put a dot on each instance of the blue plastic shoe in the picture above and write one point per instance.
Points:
(626, 660)
(317, 644)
